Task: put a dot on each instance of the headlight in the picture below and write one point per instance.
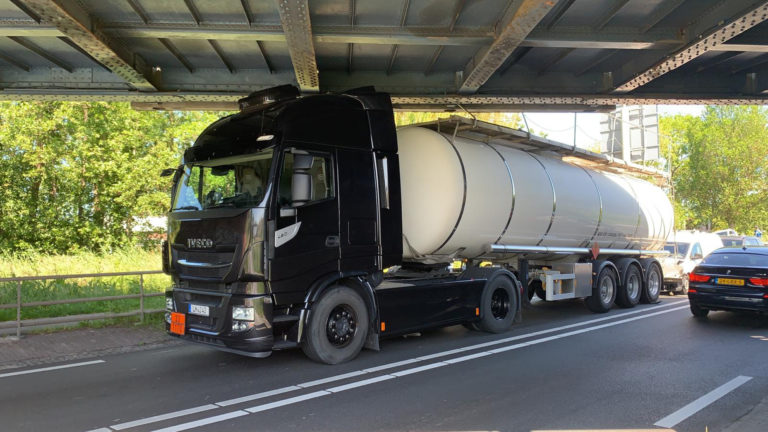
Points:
(243, 313)
(238, 326)
(169, 303)
(168, 317)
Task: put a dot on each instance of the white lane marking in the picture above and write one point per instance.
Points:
(333, 390)
(393, 365)
(419, 369)
(331, 379)
(360, 383)
(46, 369)
(203, 422)
(699, 404)
(162, 417)
(289, 401)
(257, 396)
(100, 430)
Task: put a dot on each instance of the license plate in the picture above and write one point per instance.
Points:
(199, 310)
(734, 282)
(178, 321)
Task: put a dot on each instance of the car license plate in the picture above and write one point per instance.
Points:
(734, 282)
(199, 310)
(178, 321)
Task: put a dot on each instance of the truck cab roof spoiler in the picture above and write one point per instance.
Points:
(491, 133)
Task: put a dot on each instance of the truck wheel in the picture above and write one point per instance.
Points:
(499, 305)
(603, 291)
(631, 287)
(337, 326)
(652, 285)
(698, 311)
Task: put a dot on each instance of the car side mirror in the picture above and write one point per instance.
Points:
(168, 172)
(697, 256)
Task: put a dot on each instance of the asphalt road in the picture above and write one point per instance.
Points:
(562, 368)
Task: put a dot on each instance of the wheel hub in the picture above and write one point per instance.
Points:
(499, 304)
(341, 326)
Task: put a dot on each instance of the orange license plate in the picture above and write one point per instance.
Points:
(734, 282)
(178, 322)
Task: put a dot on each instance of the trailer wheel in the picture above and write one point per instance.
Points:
(337, 326)
(603, 291)
(499, 305)
(653, 282)
(631, 288)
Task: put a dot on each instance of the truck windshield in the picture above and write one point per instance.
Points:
(682, 248)
(238, 181)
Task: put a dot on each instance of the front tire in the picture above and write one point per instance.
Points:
(603, 292)
(337, 326)
(499, 305)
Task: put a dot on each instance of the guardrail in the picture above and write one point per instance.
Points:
(19, 323)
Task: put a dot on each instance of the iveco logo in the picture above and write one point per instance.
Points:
(199, 243)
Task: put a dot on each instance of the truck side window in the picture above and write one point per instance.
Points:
(304, 179)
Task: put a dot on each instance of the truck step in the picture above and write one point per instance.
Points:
(280, 319)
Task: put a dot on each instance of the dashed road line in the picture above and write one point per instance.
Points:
(699, 404)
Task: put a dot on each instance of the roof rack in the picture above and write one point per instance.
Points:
(491, 133)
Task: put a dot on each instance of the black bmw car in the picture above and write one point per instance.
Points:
(730, 279)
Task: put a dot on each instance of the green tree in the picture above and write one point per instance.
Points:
(719, 166)
(74, 176)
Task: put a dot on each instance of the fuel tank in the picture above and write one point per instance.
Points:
(460, 195)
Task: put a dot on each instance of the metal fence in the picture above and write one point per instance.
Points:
(19, 323)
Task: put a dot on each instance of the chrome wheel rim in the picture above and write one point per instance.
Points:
(633, 286)
(606, 290)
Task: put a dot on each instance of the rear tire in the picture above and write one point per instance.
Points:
(652, 283)
(337, 326)
(498, 304)
(628, 294)
(698, 311)
(603, 291)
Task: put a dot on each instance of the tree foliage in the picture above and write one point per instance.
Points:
(74, 176)
(719, 166)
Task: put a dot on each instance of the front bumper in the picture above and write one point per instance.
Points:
(216, 329)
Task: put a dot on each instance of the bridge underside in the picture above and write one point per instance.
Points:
(481, 55)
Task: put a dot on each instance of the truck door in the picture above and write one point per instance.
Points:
(306, 234)
(358, 211)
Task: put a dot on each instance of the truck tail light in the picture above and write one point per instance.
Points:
(763, 282)
(693, 277)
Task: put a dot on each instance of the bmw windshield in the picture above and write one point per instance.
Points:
(238, 181)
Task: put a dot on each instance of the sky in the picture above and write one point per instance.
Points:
(559, 126)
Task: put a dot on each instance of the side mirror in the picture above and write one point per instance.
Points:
(697, 257)
(168, 172)
(287, 212)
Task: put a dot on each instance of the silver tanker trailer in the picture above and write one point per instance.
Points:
(311, 222)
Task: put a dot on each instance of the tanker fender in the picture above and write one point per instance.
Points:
(622, 264)
(599, 265)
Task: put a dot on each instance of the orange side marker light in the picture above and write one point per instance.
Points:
(383, 326)
(477, 311)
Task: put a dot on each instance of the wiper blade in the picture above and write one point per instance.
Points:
(187, 208)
